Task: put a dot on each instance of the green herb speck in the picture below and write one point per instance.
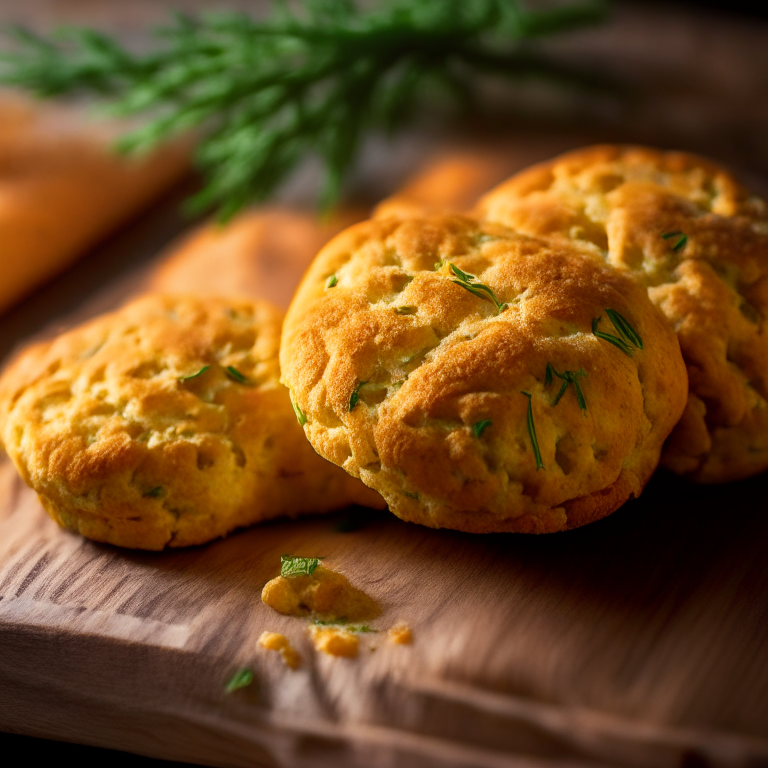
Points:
(567, 377)
(681, 241)
(300, 415)
(628, 337)
(481, 290)
(241, 679)
(331, 281)
(480, 427)
(235, 375)
(298, 566)
(194, 375)
(354, 398)
(342, 623)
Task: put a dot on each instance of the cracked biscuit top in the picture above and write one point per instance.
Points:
(698, 241)
(164, 424)
(479, 379)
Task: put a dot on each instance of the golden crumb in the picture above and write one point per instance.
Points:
(401, 634)
(274, 641)
(325, 594)
(335, 641)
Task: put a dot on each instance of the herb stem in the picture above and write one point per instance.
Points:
(532, 433)
(311, 79)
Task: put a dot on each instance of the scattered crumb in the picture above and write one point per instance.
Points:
(274, 641)
(335, 641)
(324, 594)
(401, 634)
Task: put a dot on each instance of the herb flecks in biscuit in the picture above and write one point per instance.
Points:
(354, 398)
(300, 416)
(476, 288)
(195, 375)
(567, 377)
(235, 375)
(440, 428)
(165, 424)
(628, 337)
(697, 240)
(531, 426)
(480, 426)
(680, 242)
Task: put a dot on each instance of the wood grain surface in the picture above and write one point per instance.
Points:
(639, 641)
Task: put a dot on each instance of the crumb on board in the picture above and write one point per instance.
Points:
(401, 634)
(324, 593)
(274, 641)
(335, 641)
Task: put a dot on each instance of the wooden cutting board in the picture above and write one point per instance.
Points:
(639, 641)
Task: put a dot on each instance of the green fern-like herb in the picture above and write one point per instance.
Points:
(311, 79)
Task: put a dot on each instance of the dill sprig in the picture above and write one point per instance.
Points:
(481, 290)
(298, 566)
(567, 377)
(532, 433)
(628, 337)
(310, 79)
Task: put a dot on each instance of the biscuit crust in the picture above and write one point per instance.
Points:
(397, 367)
(164, 424)
(698, 241)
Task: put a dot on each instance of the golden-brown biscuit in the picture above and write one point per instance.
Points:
(261, 253)
(63, 187)
(422, 387)
(164, 424)
(698, 241)
(450, 183)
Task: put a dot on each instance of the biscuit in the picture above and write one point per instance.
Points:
(63, 187)
(261, 253)
(449, 183)
(421, 387)
(698, 241)
(164, 424)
